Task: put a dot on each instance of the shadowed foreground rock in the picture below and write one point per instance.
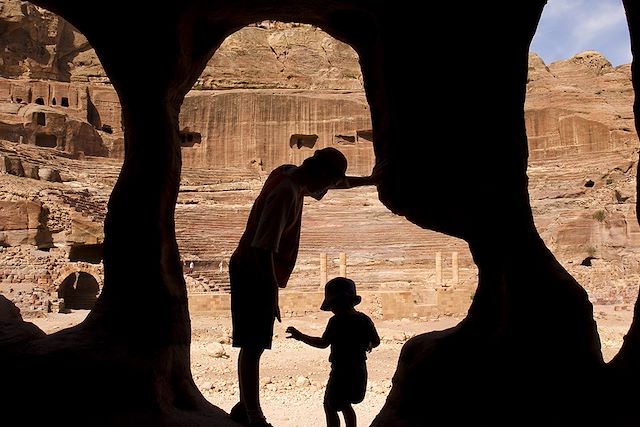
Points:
(516, 359)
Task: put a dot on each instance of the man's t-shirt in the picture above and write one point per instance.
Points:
(274, 224)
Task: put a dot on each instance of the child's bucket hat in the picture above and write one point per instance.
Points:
(339, 289)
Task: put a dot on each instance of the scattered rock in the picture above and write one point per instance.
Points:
(216, 350)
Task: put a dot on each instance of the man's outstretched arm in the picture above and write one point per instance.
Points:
(359, 181)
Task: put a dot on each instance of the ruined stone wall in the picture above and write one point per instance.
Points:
(44, 217)
(423, 288)
(379, 304)
(31, 278)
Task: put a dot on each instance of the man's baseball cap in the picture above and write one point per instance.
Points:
(333, 160)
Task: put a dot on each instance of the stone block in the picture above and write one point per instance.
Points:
(11, 165)
(49, 174)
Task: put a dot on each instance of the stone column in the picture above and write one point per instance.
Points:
(343, 264)
(323, 270)
(438, 269)
(454, 268)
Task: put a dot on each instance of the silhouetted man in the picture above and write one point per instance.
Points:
(264, 260)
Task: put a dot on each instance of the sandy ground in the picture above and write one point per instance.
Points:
(293, 375)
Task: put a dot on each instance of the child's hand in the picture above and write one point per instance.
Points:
(293, 331)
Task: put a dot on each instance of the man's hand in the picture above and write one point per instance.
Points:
(359, 181)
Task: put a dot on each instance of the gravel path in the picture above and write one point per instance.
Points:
(293, 375)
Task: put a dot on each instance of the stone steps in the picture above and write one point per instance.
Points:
(382, 249)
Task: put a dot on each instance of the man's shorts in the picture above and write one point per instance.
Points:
(346, 385)
(252, 309)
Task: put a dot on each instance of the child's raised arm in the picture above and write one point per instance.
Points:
(317, 342)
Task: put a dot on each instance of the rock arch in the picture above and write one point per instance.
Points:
(94, 270)
(79, 286)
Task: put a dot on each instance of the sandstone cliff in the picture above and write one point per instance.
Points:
(37, 44)
(579, 105)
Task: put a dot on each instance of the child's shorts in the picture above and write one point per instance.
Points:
(346, 385)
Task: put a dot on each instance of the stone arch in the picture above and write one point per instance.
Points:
(79, 286)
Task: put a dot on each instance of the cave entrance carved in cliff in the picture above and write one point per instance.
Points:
(299, 141)
(46, 140)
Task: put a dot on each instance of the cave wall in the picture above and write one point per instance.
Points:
(502, 344)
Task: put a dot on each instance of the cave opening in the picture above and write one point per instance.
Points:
(285, 107)
(569, 139)
(79, 290)
(46, 140)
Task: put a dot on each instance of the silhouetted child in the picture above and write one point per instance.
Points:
(351, 334)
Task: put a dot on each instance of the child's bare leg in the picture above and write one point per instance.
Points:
(349, 416)
(331, 415)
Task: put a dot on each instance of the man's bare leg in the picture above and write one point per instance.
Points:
(248, 380)
(349, 416)
(331, 415)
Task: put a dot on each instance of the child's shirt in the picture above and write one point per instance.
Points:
(350, 336)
